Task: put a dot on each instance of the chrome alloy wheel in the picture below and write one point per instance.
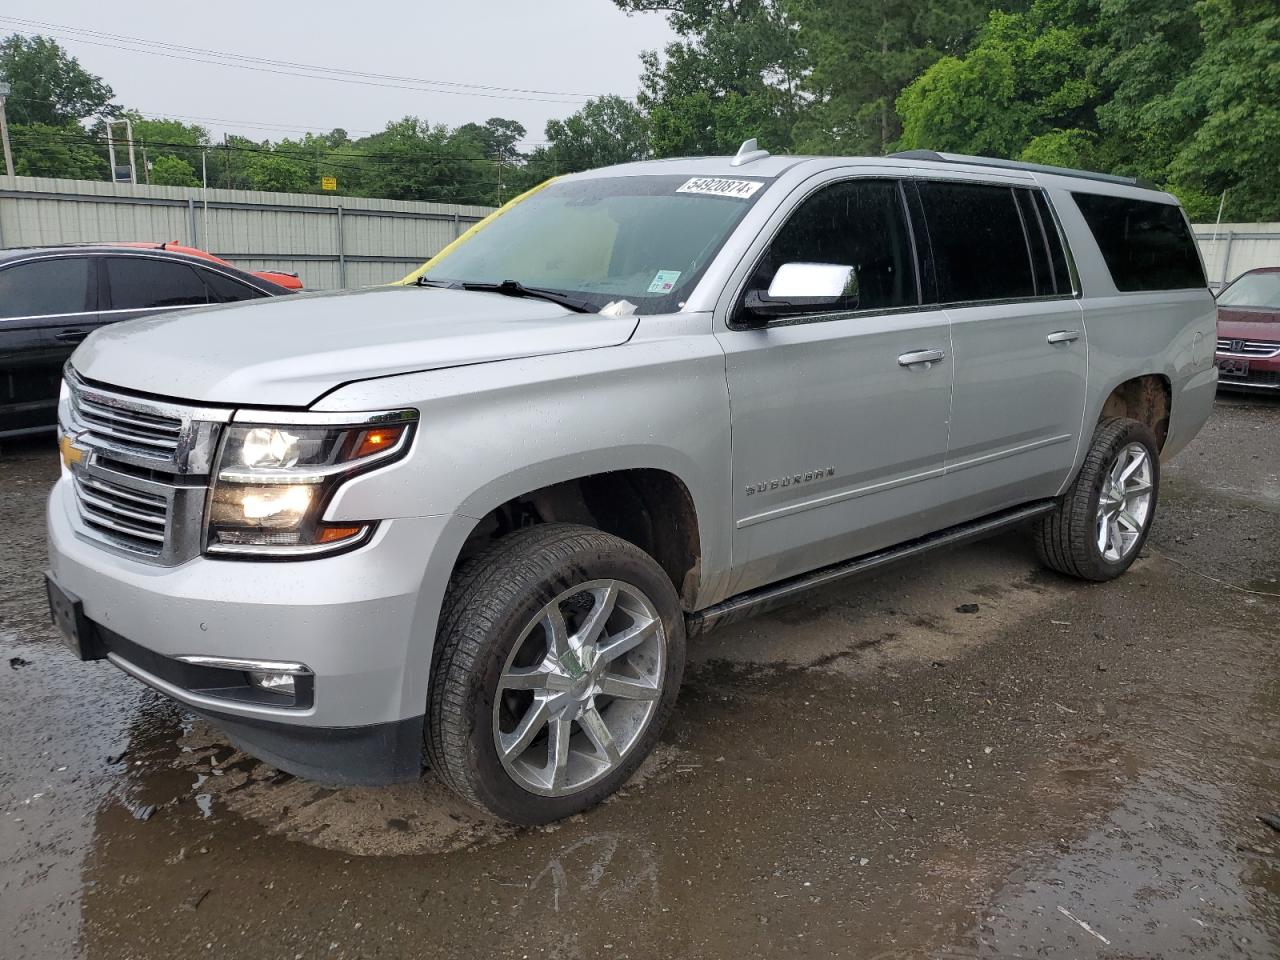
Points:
(1124, 505)
(579, 688)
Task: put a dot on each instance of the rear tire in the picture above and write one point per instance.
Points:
(1103, 519)
(557, 663)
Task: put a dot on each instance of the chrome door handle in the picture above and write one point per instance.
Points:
(1063, 336)
(920, 356)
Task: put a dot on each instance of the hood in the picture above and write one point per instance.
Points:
(1257, 324)
(288, 351)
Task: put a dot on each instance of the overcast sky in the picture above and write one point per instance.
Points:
(556, 47)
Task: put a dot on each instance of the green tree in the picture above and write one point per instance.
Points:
(1142, 45)
(48, 86)
(171, 171)
(1233, 93)
(862, 54)
(414, 160)
(45, 150)
(1025, 78)
(279, 173)
(607, 130)
(734, 73)
(172, 138)
(497, 138)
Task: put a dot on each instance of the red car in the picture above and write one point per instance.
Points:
(289, 281)
(1249, 331)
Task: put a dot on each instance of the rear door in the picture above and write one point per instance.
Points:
(47, 306)
(1019, 341)
(138, 286)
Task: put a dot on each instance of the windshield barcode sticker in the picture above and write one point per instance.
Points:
(720, 187)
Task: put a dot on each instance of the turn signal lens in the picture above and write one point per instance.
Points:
(335, 534)
(375, 441)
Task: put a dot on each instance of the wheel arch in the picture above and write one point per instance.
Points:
(652, 507)
(1147, 398)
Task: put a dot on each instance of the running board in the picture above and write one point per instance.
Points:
(775, 594)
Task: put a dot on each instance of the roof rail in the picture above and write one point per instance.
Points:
(937, 157)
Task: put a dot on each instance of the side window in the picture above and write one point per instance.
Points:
(1147, 245)
(224, 289)
(1037, 243)
(1057, 256)
(856, 223)
(139, 283)
(978, 242)
(42, 288)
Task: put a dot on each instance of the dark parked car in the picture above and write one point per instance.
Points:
(51, 298)
(1249, 332)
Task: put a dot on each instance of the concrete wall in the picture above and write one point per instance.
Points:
(330, 242)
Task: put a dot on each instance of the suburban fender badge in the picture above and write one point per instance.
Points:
(790, 480)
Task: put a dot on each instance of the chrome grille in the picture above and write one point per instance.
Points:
(145, 433)
(1256, 349)
(141, 480)
(129, 518)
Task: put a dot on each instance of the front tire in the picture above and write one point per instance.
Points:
(557, 663)
(1102, 521)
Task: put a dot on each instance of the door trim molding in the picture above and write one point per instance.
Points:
(1008, 452)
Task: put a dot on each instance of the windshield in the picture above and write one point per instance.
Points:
(642, 239)
(1253, 290)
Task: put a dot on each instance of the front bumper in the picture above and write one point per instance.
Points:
(1263, 373)
(363, 622)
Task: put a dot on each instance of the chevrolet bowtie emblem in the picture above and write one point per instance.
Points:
(70, 452)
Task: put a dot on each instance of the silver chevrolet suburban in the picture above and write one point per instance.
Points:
(473, 518)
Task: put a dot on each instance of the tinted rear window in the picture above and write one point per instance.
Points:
(140, 283)
(978, 242)
(224, 289)
(1147, 246)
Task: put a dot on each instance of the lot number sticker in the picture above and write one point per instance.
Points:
(720, 187)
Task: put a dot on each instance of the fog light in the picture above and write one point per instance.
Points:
(282, 683)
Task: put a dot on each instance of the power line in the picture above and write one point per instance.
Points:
(306, 71)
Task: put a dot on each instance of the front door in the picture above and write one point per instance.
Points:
(840, 420)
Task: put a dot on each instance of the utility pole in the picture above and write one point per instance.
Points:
(4, 132)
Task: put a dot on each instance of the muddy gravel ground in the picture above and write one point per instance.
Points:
(1068, 771)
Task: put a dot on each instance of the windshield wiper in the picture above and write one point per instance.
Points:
(514, 288)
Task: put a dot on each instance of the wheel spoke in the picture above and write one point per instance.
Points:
(1139, 488)
(593, 623)
(1137, 459)
(557, 632)
(1116, 539)
(615, 686)
(530, 725)
(533, 678)
(1104, 532)
(558, 751)
(611, 648)
(1128, 520)
(598, 733)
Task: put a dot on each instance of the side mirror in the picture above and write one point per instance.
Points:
(800, 288)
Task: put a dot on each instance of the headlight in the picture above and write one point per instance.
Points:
(273, 482)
